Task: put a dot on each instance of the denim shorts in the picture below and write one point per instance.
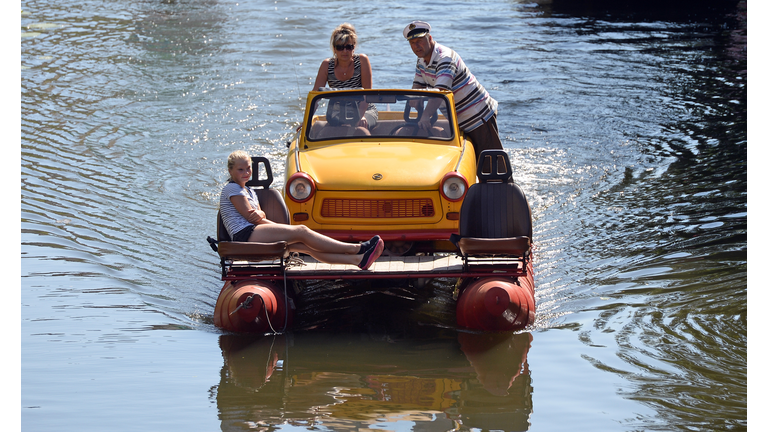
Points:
(243, 234)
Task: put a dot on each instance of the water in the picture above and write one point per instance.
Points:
(628, 129)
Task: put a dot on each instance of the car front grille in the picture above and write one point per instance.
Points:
(382, 208)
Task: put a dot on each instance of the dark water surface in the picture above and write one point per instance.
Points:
(628, 129)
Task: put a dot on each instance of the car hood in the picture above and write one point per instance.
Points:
(354, 166)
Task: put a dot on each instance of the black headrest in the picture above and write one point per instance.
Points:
(342, 112)
(497, 164)
(256, 161)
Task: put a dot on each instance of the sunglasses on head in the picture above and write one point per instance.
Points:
(348, 47)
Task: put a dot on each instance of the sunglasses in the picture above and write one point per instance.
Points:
(348, 47)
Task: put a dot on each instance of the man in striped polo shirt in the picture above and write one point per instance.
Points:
(441, 67)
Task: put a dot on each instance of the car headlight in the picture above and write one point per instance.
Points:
(301, 187)
(453, 186)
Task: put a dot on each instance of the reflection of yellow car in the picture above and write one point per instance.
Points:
(351, 179)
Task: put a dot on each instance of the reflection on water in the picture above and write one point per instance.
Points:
(358, 382)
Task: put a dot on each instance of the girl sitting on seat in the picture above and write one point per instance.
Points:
(246, 222)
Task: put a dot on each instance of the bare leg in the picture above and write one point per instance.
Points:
(327, 258)
(291, 234)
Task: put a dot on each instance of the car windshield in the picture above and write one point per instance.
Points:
(379, 115)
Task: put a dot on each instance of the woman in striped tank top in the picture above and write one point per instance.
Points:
(347, 70)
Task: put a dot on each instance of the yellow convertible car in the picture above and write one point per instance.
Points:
(362, 164)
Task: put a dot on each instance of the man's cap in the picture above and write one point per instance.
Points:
(416, 29)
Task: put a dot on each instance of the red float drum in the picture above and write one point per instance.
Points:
(252, 307)
(497, 304)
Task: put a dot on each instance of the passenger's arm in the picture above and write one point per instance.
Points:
(252, 215)
(429, 111)
(322, 75)
(366, 78)
(366, 71)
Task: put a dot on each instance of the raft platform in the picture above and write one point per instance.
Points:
(492, 262)
(386, 267)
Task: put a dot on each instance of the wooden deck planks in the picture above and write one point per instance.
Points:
(385, 265)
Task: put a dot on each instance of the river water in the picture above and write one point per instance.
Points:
(627, 127)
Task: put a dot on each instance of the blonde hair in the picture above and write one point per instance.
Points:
(345, 33)
(235, 156)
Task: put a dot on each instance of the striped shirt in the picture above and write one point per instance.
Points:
(447, 71)
(356, 81)
(233, 221)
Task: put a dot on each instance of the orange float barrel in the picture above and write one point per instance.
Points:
(497, 304)
(252, 307)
